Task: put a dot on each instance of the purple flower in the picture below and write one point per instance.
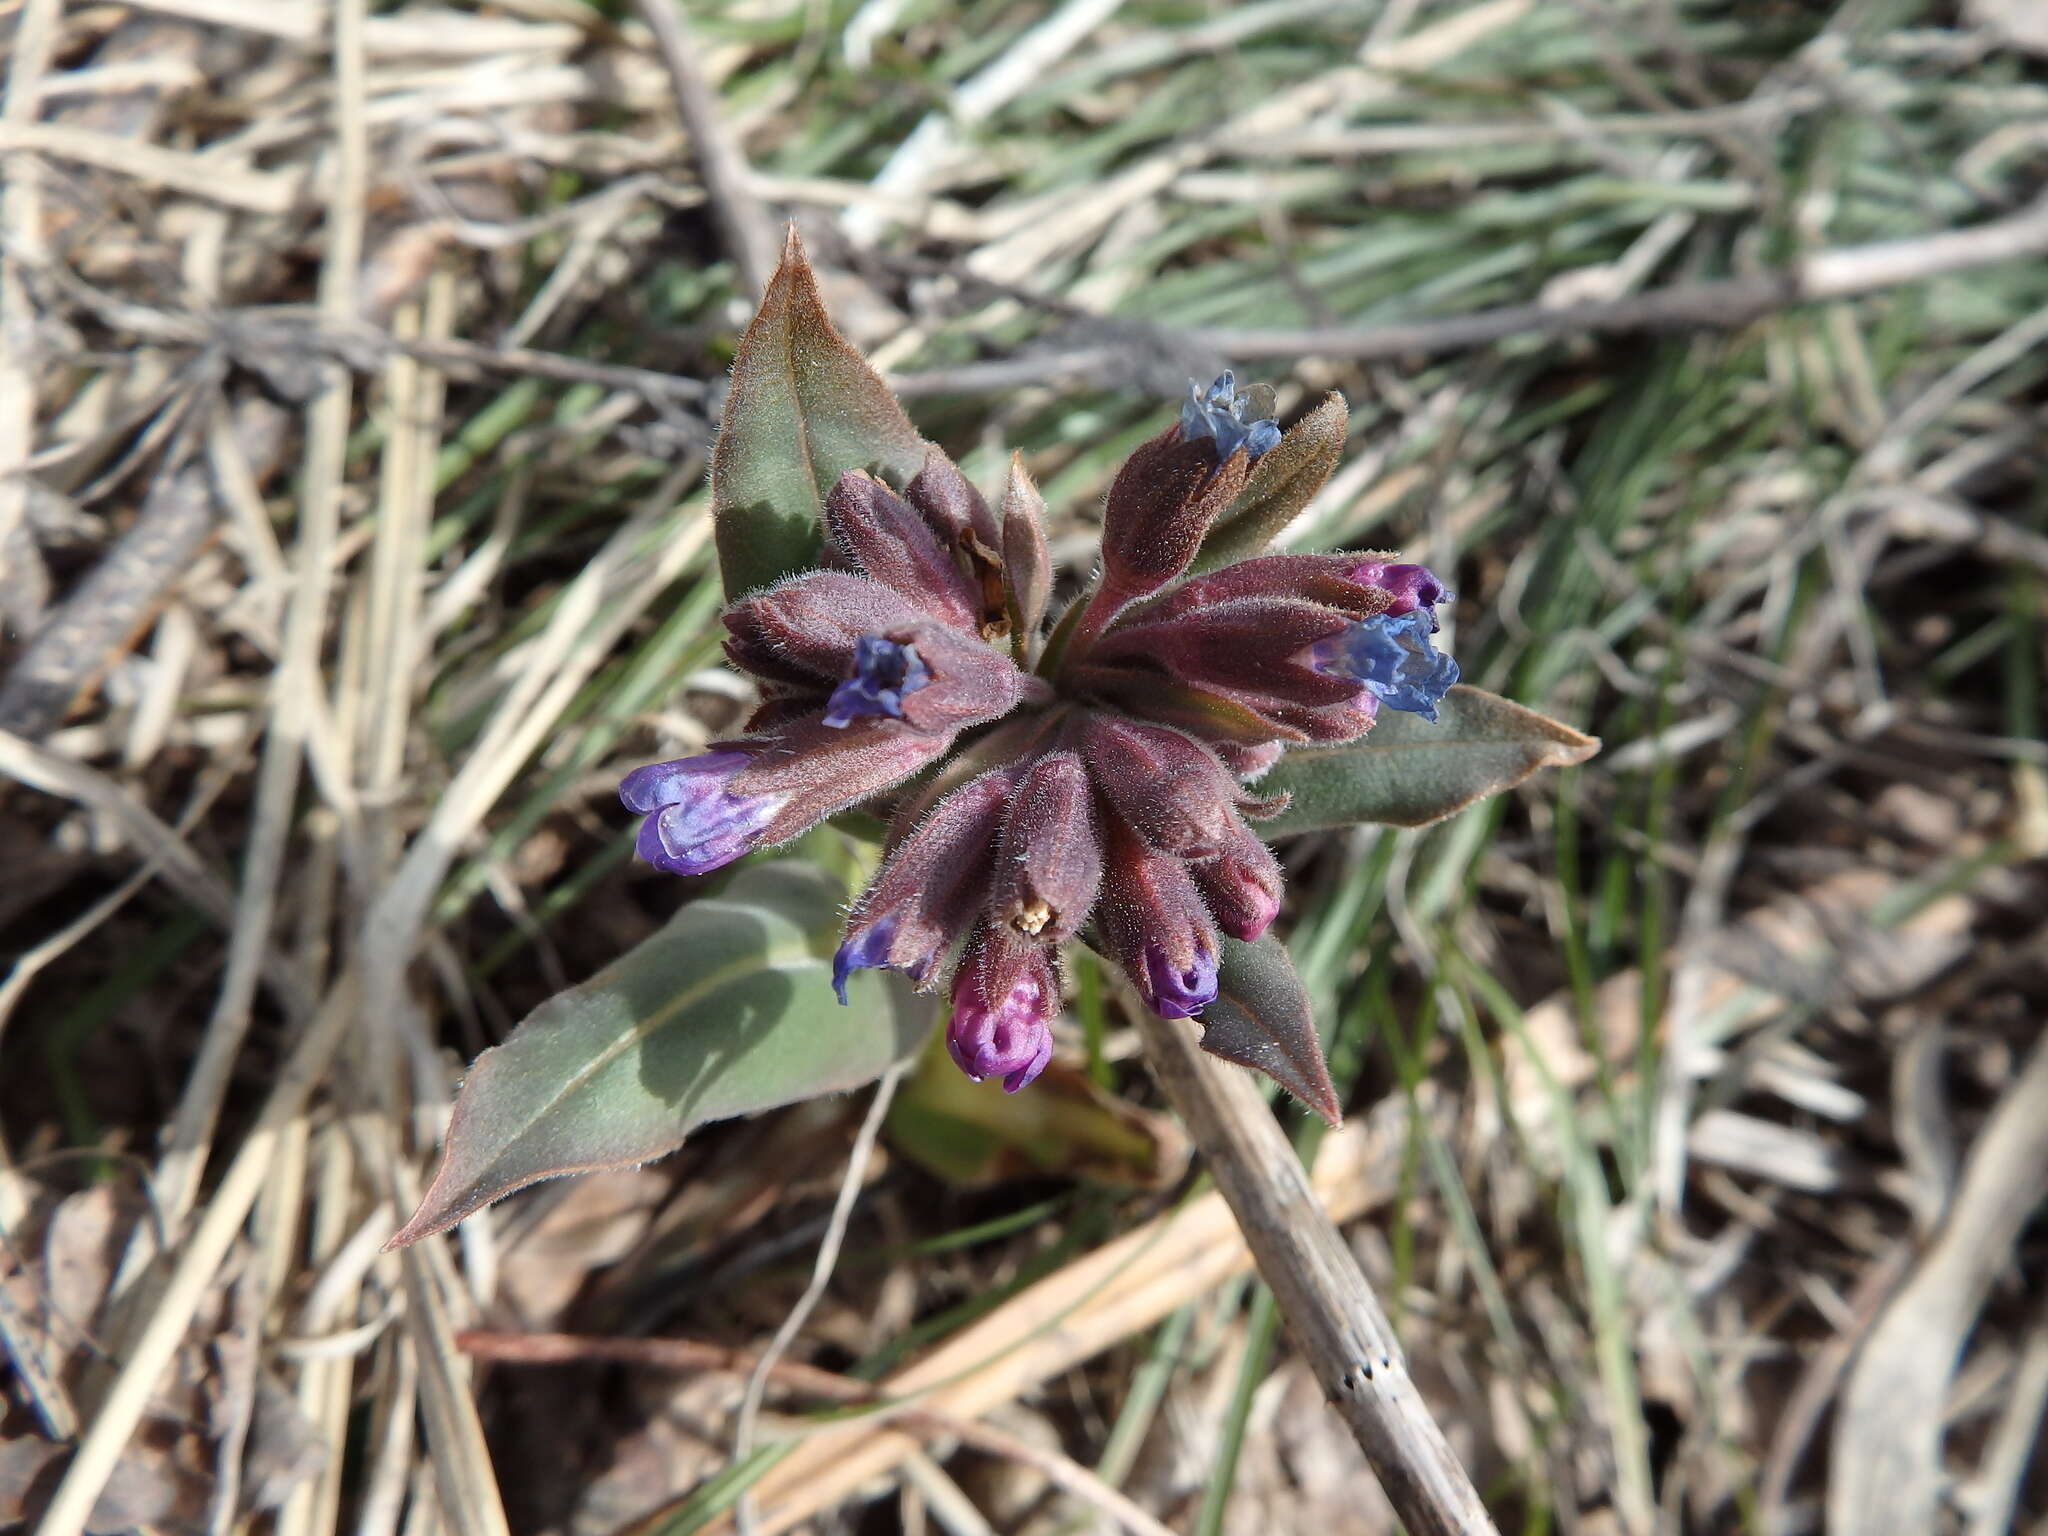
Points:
(1235, 418)
(695, 824)
(883, 672)
(1392, 657)
(1177, 992)
(1003, 999)
(1086, 781)
(1411, 586)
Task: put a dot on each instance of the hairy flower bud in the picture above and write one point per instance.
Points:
(1152, 922)
(1166, 784)
(1004, 997)
(1249, 761)
(804, 632)
(898, 547)
(1392, 658)
(1242, 885)
(930, 888)
(1050, 864)
(964, 523)
(1027, 563)
(695, 821)
(968, 682)
(1161, 503)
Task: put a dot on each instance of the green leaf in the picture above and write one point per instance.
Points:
(1283, 481)
(1407, 772)
(1062, 1126)
(1261, 1019)
(728, 1009)
(804, 408)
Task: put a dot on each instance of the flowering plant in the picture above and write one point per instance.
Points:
(1103, 778)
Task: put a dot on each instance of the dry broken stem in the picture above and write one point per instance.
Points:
(1330, 1309)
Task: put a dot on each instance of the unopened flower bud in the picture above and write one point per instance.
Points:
(1152, 922)
(695, 823)
(1027, 563)
(1050, 864)
(1249, 761)
(898, 547)
(1242, 885)
(1004, 997)
(1393, 659)
(968, 682)
(929, 889)
(1163, 782)
(1160, 505)
(965, 523)
(803, 632)
(884, 674)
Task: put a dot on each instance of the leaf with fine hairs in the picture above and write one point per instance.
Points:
(1284, 480)
(728, 1009)
(1406, 772)
(804, 408)
(1261, 1019)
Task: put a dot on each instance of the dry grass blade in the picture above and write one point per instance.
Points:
(1886, 1473)
(194, 1271)
(1112, 1293)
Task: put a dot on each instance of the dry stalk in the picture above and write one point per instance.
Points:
(1327, 1302)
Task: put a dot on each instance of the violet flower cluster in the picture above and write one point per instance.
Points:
(1091, 783)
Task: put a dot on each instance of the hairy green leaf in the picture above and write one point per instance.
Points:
(804, 408)
(1261, 1019)
(1407, 772)
(728, 1009)
(1283, 481)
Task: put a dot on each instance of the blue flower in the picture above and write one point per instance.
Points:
(883, 672)
(1391, 655)
(695, 824)
(1234, 418)
(869, 950)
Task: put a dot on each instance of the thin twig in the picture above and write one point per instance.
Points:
(821, 1276)
(1327, 1302)
(1729, 304)
(743, 219)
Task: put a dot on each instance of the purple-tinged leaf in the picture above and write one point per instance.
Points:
(728, 1009)
(1408, 772)
(804, 409)
(1261, 1019)
(1283, 481)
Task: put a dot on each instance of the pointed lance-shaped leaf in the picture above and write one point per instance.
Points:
(804, 408)
(1406, 772)
(1027, 562)
(1282, 482)
(726, 1010)
(1261, 1019)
